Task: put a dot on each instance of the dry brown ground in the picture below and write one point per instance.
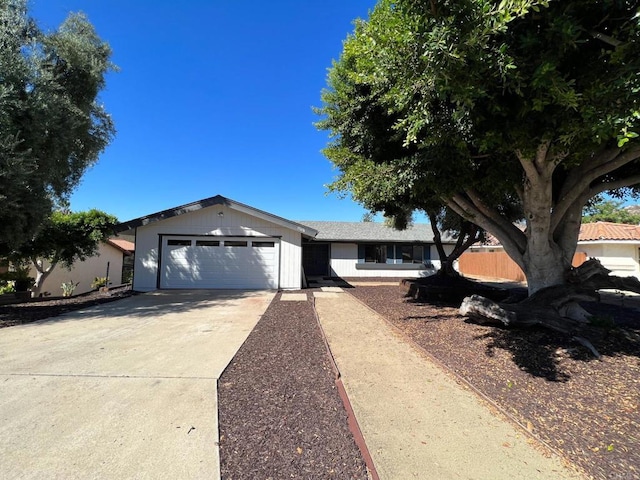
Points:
(586, 409)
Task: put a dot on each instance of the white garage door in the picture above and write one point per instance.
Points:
(205, 262)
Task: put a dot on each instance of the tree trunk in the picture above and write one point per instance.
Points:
(545, 267)
(41, 275)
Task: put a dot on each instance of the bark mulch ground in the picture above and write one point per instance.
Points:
(586, 409)
(280, 414)
(41, 308)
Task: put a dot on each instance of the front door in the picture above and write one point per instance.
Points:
(315, 259)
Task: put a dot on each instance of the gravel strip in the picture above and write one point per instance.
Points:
(588, 410)
(280, 414)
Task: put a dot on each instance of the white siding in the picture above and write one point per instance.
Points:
(207, 221)
(85, 272)
(620, 258)
(344, 257)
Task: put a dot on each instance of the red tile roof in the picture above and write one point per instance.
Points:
(608, 231)
(124, 245)
(590, 232)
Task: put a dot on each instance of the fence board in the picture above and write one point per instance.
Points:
(499, 265)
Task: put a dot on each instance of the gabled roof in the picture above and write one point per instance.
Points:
(131, 225)
(121, 244)
(372, 232)
(608, 231)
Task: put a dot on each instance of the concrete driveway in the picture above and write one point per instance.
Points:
(123, 390)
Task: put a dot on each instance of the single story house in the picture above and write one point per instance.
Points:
(116, 254)
(220, 243)
(370, 249)
(616, 245)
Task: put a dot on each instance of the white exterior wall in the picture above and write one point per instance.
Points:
(344, 257)
(621, 258)
(85, 272)
(207, 221)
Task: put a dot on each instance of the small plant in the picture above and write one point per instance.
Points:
(6, 287)
(99, 282)
(20, 279)
(68, 288)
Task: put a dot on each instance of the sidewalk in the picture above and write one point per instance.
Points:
(416, 420)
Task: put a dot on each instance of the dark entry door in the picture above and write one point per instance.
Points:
(315, 259)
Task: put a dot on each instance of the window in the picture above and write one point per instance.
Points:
(263, 244)
(207, 243)
(375, 254)
(411, 253)
(235, 243)
(178, 243)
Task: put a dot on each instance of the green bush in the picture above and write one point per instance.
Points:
(68, 288)
(99, 282)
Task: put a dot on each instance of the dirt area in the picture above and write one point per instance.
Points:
(584, 408)
(41, 308)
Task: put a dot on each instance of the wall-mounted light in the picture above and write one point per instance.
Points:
(221, 214)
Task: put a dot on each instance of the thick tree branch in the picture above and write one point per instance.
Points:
(579, 183)
(512, 239)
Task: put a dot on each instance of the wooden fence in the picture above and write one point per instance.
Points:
(499, 265)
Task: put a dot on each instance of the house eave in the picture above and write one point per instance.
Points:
(131, 225)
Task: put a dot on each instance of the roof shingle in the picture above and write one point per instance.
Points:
(371, 232)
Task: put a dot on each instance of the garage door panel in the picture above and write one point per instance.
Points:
(197, 263)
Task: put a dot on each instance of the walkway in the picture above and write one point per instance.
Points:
(417, 421)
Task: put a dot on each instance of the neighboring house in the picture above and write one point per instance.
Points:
(221, 243)
(368, 249)
(615, 245)
(115, 252)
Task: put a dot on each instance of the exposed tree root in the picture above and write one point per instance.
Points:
(556, 308)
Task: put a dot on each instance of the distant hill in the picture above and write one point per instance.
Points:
(634, 209)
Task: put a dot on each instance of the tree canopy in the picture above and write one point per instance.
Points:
(63, 239)
(609, 211)
(52, 126)
(498, 110)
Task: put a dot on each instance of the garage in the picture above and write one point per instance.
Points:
(219, 262)
(216, 243)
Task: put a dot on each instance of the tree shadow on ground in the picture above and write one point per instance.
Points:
(614, 331)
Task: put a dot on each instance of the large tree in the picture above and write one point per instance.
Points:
(52, 126)
(495, 105)
(63, 239)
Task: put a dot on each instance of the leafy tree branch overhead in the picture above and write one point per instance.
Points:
(497, 109)
(52, 125)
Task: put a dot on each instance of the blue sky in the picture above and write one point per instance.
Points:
(212, 98)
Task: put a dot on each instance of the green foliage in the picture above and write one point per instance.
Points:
(52, 127)
(498, 110)
(18, 278)
(6, 287)
(609, 211)
(68, 288)
(99, 282)
(67, 237)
